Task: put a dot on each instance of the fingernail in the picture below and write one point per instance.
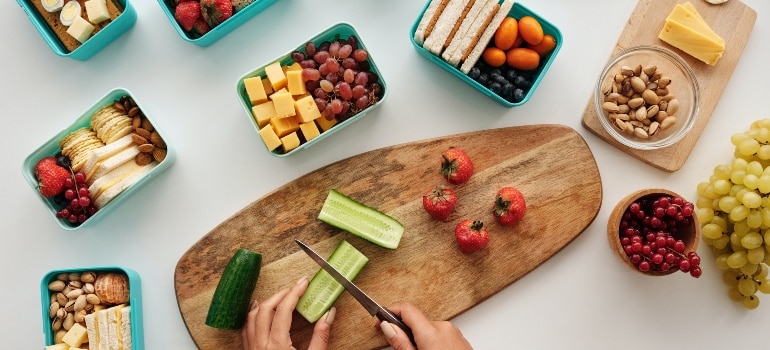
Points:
(301, 280)
(253, 305)
(388, 330)
(329, 317)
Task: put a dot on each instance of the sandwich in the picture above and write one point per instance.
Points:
(446, 25)
(466, 24)
(100, 154)
(465, 43)
(471, 60)
(428, 20)
(110, 328)
(108, 186)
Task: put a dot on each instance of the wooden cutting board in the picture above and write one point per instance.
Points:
(733, 21)
(551, 165)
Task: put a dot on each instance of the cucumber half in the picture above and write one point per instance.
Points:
(230, 302)
(323, 290)
(368, 223)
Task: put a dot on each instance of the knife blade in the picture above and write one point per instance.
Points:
(368, 303)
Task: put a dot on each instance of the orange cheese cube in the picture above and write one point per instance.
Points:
(283, 103)
(263, 112)
(309, 130)
(255, 90)
(268, 87)
(284, 126)
(290, 142)
(269, 137)
(324, 123)
(306, 109)
(293, 66)
(276, 75)
(295, 83)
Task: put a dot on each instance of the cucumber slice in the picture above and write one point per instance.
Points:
(231, 298)
(368, 223)
(323, 290)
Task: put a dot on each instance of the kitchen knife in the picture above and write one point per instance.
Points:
(368, 303)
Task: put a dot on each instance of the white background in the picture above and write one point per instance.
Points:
(582, 298)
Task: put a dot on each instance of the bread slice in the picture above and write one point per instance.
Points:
(100, 154)
(125, 328)
(114, 161)
(116, 188)
(428, 20)
(102, 323)
(476, 30)
(445, 25)
(114, 7)
(491, 28)
(466, 26)
(118, 316)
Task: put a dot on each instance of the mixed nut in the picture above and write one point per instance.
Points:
(638, 102)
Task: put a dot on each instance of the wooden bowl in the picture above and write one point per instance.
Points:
(689, 235)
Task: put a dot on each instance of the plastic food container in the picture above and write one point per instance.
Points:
(219, 31)
(517, 11)
(91, 46)
(51, 148)
(135, 300)
(341, 30)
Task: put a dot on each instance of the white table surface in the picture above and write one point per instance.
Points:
(582, 298)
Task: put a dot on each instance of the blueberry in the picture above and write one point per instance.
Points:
(496, 88)
(474, 73)
(63, 161)
(501, 80)
(507, 89)
(510, 75)
(518, 95)
(521, 82)
(483, 79)
(495, 71)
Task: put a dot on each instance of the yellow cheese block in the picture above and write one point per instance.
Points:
(284, 126)
(691, 42)
(263, 112)
(293, 66)
(309, 130)
(276, 75)
(61, 346)
(269, 137)
(681, 15)
(268, 87)
(283, 103)
(290, 142)
(295, 83)
(255, 89)
(689, 6)
(325, 124)
(306, 109)
(76, 335)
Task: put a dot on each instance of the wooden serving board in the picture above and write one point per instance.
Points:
(551, 165)
(733, 21)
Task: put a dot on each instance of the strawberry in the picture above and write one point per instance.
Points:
(186, 13)
(216, 11)
(201, 27)
(456, 166)
(439, 202)
(509, 206)
(471, 235)
(50, 177)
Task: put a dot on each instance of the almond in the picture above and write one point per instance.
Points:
(143, 159)
(146, 148)
(147, 125)
(139, 140)
(136, 122)
(157, 140)
(143, 133)
(159, 154)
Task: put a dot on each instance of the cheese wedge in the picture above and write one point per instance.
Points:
(694, 22)
(686, 30)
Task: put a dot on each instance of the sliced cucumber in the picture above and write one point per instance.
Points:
(231, 298)
(323, 290)
(368, 223)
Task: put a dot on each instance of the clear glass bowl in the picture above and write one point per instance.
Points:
(684, 86)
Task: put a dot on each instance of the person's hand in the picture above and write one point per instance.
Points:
(268, 323)
(427, 334)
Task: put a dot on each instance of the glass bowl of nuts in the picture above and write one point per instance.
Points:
(647, 97)
(655, 232)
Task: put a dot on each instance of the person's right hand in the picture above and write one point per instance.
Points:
(427, 334)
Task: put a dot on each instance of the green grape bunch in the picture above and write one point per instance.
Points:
(733, 208)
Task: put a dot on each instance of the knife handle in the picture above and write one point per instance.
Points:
(385, 315)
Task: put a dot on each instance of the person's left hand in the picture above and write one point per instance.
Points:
(268, 323)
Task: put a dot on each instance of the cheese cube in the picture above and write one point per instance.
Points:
(275, 75)
(268, 87)
(284, 126)
(263, 112)
(76, 335)
(309, 130)
(61, 346)
(325, 124)
(295, 82)
(290, 142)
(269, 137)
(294, 66)
(255, 89)
(283, 103)
(307, 109)
(97, 11)
(80, 29)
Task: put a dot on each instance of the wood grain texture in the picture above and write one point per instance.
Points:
(551, 164)
(733, 21)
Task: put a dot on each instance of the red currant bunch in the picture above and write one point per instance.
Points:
(76, 201)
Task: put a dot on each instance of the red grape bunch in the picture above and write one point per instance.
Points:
(338, 75)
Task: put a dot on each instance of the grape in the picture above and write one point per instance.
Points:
(310, 48)
(345, 51)
(751, 302)
(332, 65)
(764, 287)
(308, 64)
(349, 76)
(336, 106)
(332, 78)
(310, 74)
(321, 56)
(360, 55)
(361, 79)
(320, 103)
(320, 93)
(349, 63)
(737, 259)
(324, 69)
(358, 91)
(362, 102)
(345, 91)
(298, 56)
(327, 86)
(747, 286)
(334, 49)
